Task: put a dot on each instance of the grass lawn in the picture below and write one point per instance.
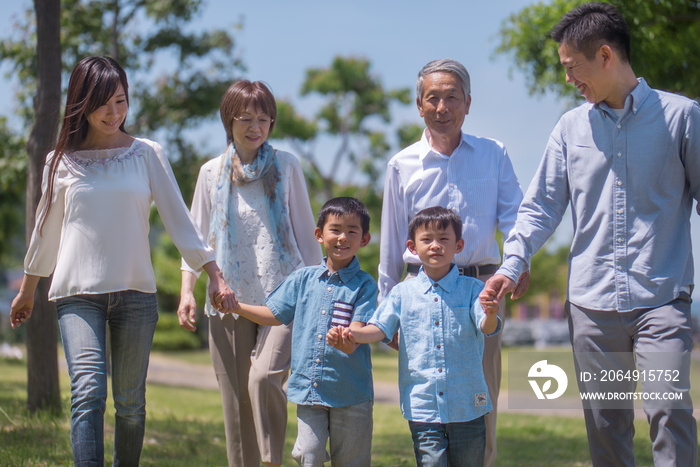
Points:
(185, 428)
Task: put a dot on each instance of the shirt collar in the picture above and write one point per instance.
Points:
(447, 283)
(425, 148)
(345, 274)
(633, 101)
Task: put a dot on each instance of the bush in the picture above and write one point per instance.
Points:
(170, 336)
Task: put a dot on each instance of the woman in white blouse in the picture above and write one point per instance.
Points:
(92, 234)
(252, 204)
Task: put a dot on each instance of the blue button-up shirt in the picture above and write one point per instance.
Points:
(321, 374)
(631, 183)
(441, 379)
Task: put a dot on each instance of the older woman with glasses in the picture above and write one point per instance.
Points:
(252, 204)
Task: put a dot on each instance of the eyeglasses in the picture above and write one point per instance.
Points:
(247, 120)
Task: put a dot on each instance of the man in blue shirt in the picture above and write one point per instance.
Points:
(333, 391)
(442, 388)
(628, 163)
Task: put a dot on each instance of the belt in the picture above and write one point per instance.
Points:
(471, 271)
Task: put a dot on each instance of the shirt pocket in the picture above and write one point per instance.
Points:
(342, 313)
(462, 322)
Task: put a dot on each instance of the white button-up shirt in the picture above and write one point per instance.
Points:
(477, 181)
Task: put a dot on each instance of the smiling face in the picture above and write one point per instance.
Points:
(104, 122)
(250, 130)
(436, 247)
(341, 237)
(443, 106)
(586, 74)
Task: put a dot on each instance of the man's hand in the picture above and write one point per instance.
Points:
(496, 288)
(521, 286)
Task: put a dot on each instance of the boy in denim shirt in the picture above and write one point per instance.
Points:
(333, 390)
(441, 381)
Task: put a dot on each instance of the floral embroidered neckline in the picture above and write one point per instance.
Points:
(90, 157)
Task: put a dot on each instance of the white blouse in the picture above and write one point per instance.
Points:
(95, 238)
(257, 256)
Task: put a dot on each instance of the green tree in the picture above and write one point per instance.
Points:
(665, 44)
(13, 176)
(353, 98)
(176, 77)
(45, 44)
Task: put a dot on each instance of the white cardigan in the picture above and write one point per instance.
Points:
(95, 239)
(256, 254)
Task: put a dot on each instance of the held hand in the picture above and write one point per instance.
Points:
(21, 309)
(394, 344)
(333, 336)
(521, 286)
(221, 296)
(186, 312)
(499, 285)
(347, 342)
(488, 301)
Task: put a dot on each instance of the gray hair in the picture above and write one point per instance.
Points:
(445, 65)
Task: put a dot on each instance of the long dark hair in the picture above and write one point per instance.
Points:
(93, 82)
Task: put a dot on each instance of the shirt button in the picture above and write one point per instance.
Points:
(320, 336)
(323, 312)
(329, 289)
(619, 154)
(619, 268)
(438, 346)
(619, 211)
(619, 126)
(619, 183)
(315, 385)
(441, 393)
(437, 323)
(439, 370)
(435, 285)
(318, 360)
(619, 240)
(435, 299)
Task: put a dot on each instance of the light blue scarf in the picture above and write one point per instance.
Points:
(222, 228)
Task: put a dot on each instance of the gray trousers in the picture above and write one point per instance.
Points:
(251, 363)
(643, 334)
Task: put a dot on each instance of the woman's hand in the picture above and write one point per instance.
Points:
(187, 311)
(22, 305)
(220, 294)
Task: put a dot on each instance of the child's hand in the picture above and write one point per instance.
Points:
(342, 339)
(488, 301)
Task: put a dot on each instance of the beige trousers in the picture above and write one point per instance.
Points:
(251, 363)
(492, 372)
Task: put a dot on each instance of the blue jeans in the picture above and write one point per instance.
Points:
(449, 444)
(83, 320)
(349, 429)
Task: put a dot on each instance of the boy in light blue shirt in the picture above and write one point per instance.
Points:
(442, 388)
(333, 390)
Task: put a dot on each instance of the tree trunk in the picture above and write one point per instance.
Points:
(42, 330)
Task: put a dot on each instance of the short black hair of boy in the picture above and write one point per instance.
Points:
(589, 26)
(435, 216)
(344, 206)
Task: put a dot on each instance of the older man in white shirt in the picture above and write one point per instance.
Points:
(471, 175)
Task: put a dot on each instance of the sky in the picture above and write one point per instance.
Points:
(281, 39)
